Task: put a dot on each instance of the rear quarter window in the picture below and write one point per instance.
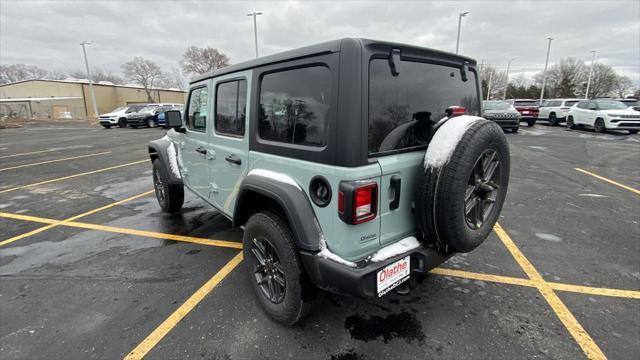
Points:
(294, 106)
(403, 108)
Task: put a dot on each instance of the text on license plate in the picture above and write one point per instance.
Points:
(393, 275)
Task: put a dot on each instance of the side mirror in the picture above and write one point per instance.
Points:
(173, 119)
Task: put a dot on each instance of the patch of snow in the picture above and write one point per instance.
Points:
(549, 237)
(326, 253)
(173, 161)
(593, 195)
(274, 176)
(394, 249)
(446, 139)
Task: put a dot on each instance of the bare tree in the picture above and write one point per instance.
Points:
(197, 60)
(143, 72)
(498, 81)
(623, 85)
(57, 75)
(603, 81)
(565, 78)
(17, 72)
(173, 79)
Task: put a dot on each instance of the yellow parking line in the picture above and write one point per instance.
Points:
(120, 230)
(629, 294)
(608, 180)
(56, 160)
(584, 340)
(62, 222)
(73, 176)
(161, 331)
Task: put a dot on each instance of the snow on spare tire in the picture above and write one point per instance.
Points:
(465, 179)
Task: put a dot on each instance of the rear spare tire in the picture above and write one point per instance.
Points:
(461, 192)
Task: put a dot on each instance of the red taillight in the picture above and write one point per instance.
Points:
(365, 203)
(455, 111)
(341, 202)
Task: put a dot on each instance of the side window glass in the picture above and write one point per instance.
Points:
(294, 106)
(197, 112)
(231, 107)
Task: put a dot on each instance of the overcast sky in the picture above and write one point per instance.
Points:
(47, 33)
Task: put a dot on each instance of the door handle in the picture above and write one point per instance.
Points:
(233, 158)
(395, 185)
(201, 150)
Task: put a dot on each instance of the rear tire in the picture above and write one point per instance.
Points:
(458, 203)
(531, 122)
(599, 126)
(570, 124)
(122, 123)
(170, 196)
(275, 270)
(553, 120)
(514, 130)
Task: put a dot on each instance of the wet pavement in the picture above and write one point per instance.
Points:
(98, 286)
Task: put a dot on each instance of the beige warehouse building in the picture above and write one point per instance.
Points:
(59, 99)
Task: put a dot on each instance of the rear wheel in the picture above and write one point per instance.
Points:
(531, 122)
(275, 270)
(553, 120)
(170, 196)
(570, 124)
(458, 203)
(514, 130)
(122, 123)
(599, 126)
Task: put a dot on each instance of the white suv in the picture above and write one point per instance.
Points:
(556, 110)
(604, 115)
(118, 116)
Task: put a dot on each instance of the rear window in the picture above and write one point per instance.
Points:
(570, 103)
(525, 103)
(403, 108)
(294, 106)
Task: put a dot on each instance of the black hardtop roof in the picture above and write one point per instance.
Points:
(317, 49)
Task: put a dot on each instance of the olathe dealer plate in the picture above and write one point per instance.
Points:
(393, 275)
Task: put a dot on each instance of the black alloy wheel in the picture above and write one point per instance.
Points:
(267, 271)
(599, 126)
(158, 185)
(482, 189)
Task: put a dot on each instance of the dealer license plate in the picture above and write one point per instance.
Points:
(525, 112)
(393, 275)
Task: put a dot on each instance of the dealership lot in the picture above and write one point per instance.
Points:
(90, 267)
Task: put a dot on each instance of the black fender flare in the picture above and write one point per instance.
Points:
(161, 149)
(294, 203)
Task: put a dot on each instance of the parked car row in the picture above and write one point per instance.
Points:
(599, 114)
(149, 115)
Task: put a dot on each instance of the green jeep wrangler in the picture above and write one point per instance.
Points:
(351, 165)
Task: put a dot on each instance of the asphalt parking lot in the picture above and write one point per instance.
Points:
(90, 267)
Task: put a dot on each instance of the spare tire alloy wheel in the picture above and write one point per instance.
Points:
(482, 189)
(268, 271)
(458, 202)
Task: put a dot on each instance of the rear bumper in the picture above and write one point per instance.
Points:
(360, 281)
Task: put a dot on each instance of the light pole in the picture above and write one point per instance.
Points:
(507, 84)
(460, 16)
(86, 63)
(255, 29)
(544, 74)
(489, 86)
(593, 59)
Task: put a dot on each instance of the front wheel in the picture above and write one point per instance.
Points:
(151, 123)
(275, 270)
(570, 124)
(122, 123)
(599, 126)
(553, 120)
(170, 196)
